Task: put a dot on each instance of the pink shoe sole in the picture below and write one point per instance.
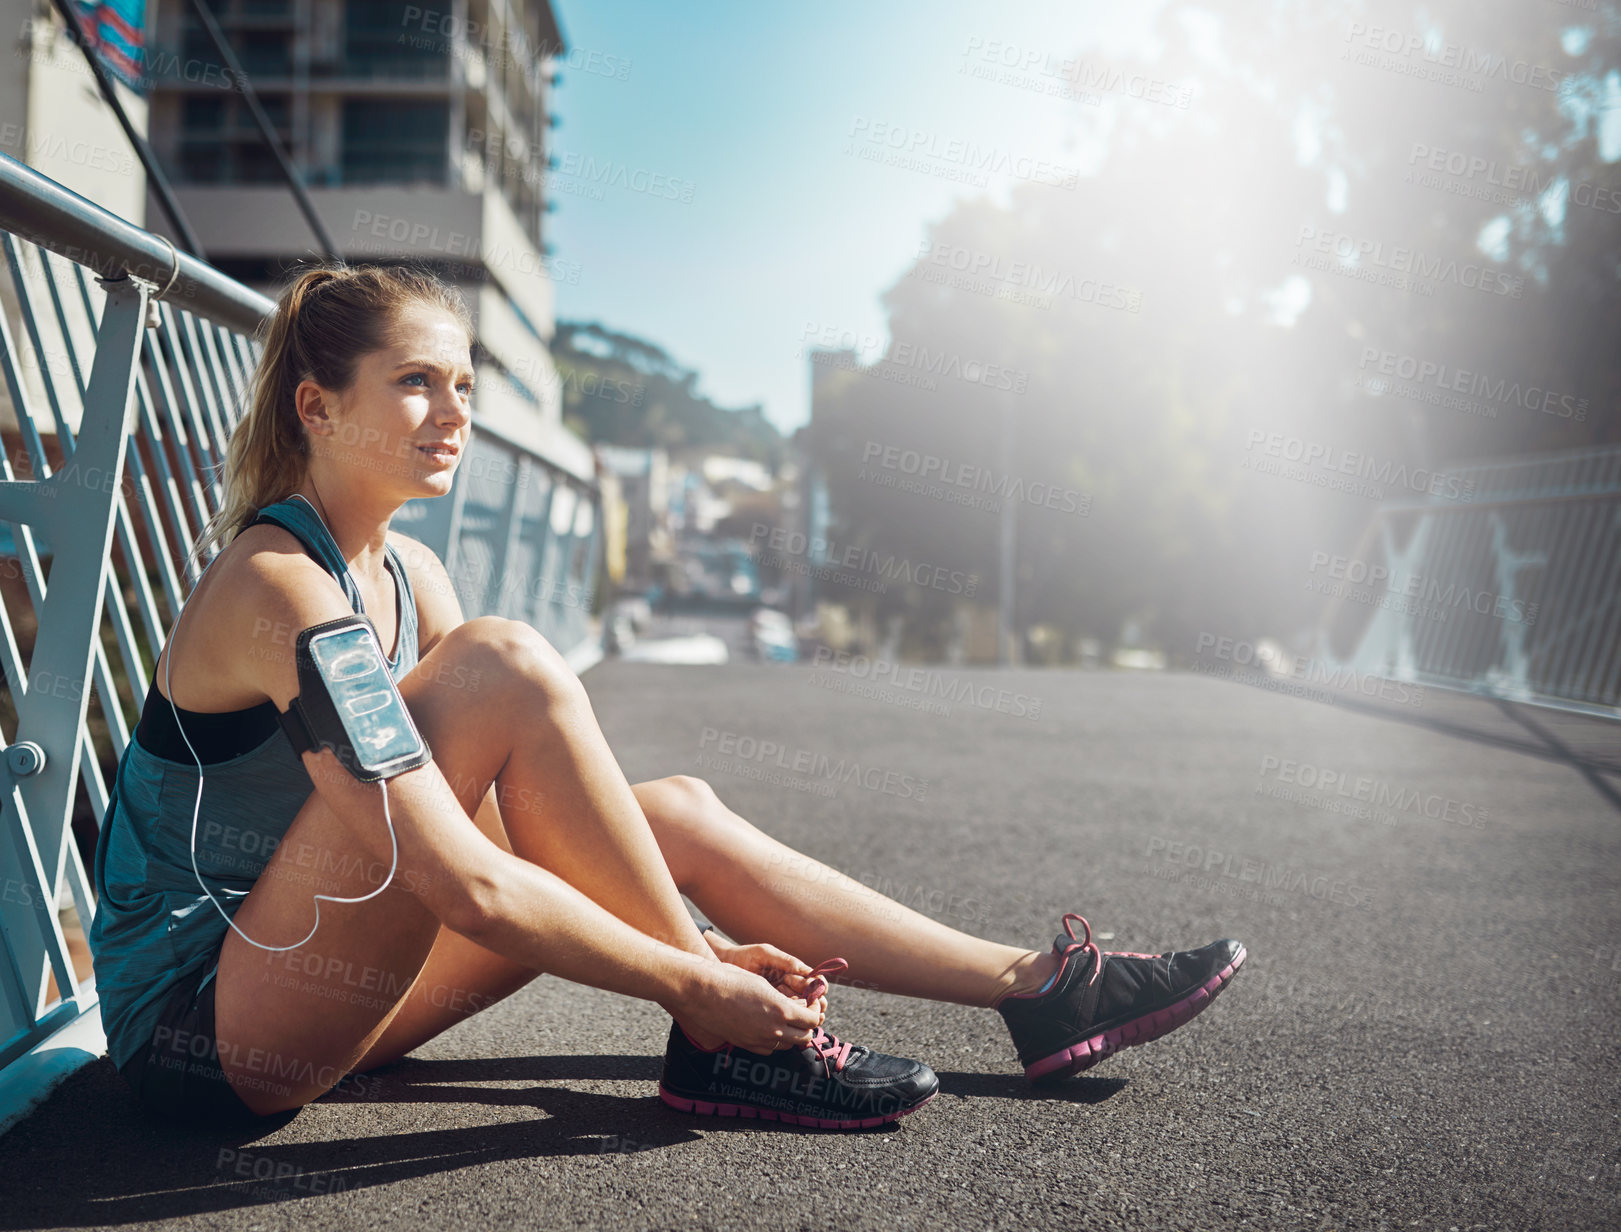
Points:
(1089, 1052)
(745, 1112)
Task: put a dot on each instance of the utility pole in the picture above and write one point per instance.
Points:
(1006, 628)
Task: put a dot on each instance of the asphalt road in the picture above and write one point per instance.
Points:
(1424, 1035)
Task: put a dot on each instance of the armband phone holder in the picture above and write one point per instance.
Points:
(348, 702)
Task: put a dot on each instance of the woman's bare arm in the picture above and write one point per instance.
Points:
(474, 887)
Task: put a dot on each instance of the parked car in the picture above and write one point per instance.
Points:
(723, 571)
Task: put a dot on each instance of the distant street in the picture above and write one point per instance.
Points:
(729, 624)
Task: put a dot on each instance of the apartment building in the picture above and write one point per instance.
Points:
(421, 131)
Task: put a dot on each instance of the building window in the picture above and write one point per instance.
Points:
(220, 143)
(261, 53)
(384, 39)
(395, 141)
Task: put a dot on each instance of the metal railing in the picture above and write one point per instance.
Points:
(1512, 593)
(138, 363)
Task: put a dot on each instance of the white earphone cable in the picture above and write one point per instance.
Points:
(394, 844)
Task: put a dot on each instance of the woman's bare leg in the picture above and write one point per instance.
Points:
(757, 889)
(802, 907)
(291, 1024)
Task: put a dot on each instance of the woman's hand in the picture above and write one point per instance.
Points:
(778, 968)
(725, 1001)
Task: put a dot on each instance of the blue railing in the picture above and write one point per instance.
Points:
(1513, 593)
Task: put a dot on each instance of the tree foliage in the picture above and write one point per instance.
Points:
(622, 390)
(1188, 295)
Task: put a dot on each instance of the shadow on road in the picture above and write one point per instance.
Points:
(1080, 1089)
(98, 1161)
(1586, 743)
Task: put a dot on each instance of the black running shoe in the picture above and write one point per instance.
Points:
(1102, 1002)
(828, 1084)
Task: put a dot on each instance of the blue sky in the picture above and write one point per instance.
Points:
(751, 107)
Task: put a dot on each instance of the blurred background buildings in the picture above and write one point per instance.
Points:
(1203, 317)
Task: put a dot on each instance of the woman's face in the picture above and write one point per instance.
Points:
(404, 420)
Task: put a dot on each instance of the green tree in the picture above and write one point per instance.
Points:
(622, 390)
(1186, 300)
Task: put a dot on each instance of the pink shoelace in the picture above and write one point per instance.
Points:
(1087, 944)
(833, 1051)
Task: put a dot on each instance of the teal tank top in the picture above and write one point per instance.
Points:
(154, 927)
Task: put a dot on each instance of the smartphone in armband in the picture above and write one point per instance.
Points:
(348, 702)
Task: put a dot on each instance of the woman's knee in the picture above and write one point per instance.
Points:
(686, 809)
(690, 825)
(492, 654)
(681, 797)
